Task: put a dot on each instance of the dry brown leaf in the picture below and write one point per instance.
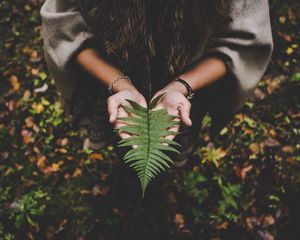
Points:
(97, 156)
(292, 16)
(63, 142)
(55, 167)
(77, 173)
(179, 220)
(62, 150)
(222, 226)
(27, 136)
(100, 190)
(14, 81)
(41, 162)
(171, 198)
(85, 192)
(12, 105)
(29, 122)
(287, 149)
(35, 72)
(271, 142)
(26, 95)
(268, 221)
(255, 148)
(242, 172)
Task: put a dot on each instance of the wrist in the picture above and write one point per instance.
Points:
(176, 86)
(122, 85)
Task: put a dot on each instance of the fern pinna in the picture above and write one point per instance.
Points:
(148, 129)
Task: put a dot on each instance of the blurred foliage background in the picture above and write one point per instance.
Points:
(245, 184)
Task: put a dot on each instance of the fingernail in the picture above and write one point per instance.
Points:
(111, 118)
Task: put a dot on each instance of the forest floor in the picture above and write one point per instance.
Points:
(245, 184)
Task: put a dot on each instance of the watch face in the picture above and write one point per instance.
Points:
(190, 96)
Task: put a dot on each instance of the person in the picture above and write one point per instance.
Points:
(102, 52)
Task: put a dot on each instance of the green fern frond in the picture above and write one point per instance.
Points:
(148, 129)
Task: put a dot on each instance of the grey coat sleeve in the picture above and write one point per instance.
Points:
(64, 31)
(246, 45)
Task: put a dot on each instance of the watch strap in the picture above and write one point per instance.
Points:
(188, 87)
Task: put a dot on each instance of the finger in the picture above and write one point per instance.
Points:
(154, 96)
(143, 104)
(158, 106)
(112, 105)
(185, 115)
(175, 128)
(113, 108)
(119, 123)
(124, 135)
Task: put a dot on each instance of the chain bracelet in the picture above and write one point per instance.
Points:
(121, 76)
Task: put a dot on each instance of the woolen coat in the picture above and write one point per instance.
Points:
(245, 44)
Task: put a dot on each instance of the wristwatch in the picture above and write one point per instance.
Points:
(188, 87)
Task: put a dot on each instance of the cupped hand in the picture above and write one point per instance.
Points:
(176, 104)
(115, 109)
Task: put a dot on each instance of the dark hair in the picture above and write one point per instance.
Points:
(180, 25)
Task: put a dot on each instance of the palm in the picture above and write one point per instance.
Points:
(172, 102)
(148, 128)
(171, 111)
(117, 106)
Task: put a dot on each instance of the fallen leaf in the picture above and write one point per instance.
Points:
(19, 166)
(12, 105)
(171, 198)
(287, 149)
(268, 221)
(26, 95)
(282, 19)
(62, 150)
(97, 156)
(179, 220)
(41, 162)
(63, 142)
(242, 172)
(259, 94)
(255, 148)
(271, 142)
(27, 136)
(35, 72)
(26, 50)
(100, 190)
(44, 88)
(292, 16)
(4, 155)
(14, 81)
(55, 167)
(222, 226)
(290, 51)
(85, 192)
(77, 173)
(34, 54)
(29, 122)
(38, 107)
(265, 235)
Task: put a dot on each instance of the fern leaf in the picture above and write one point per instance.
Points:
(148, 129)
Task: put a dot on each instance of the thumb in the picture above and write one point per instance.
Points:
(113, 110)
(185, 115)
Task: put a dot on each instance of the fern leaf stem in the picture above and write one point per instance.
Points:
(144, 180)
